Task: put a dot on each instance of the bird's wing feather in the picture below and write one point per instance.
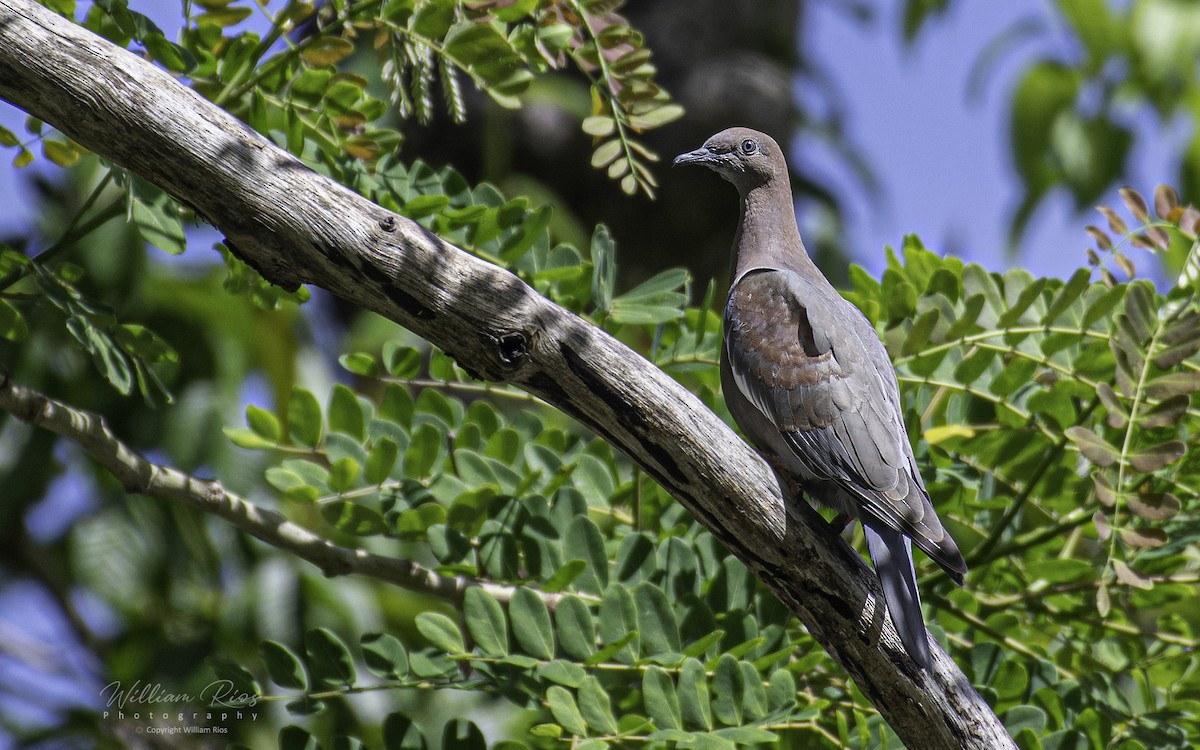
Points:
(803, 359)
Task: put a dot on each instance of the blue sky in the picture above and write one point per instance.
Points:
(944, 162)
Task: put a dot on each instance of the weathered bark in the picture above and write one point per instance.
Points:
(297, 227)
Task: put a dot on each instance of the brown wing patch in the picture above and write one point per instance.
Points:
(774, 331)
(776, 360)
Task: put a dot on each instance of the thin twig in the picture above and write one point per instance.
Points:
(143, 477)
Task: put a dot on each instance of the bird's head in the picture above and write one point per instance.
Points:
(745, 157)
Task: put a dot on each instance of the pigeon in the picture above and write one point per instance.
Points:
(809, 382)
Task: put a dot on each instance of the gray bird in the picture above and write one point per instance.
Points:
(809, 382)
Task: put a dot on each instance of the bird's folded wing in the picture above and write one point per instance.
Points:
(799, 357)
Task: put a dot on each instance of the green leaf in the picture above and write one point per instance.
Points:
(746, 735)
(597, 126)
(565, 711)
(1070, 293)
(385, 656)
(517, 11)
(400, 733)
(353, 518)
(606, 153)
(618, 620)
(657, 300)
(283, 666)
(918, 335)
(695, 704)
(108, 358)
(237, 677)
(244, 437)
(441, 631)
(415, 522)
(727, 691)
(485, 622)
(424, 452)
(462, 734)
(1057, 571)
(781, 690)
(380, 460)
(474, 469)
(660, 699)
(596, 706)
(397, 405)
(604, 268)
(293, 737)
(326, 50)
(635, 559)
(155, 216)
(1025, 717)
(448, 545)
(1047, 90)
(304, 417)
(583, 541)
(402, 362)
(329, 658)
(564, 576)
(499, 551)
(575, 627)
(899, 295)
(1013, 376)
(562, 671)
(531, 624)
(435, 403)
(754, 695)
(1102, 304)
(345, 413)
(173, 57)
(360, 363)
(656, 118)
(140, 341)
(224, 15)
(532, 229)
(657, 626)
(342, 474)
(677, 559)
(12, 324)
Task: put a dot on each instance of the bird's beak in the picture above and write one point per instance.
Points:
(700, 155)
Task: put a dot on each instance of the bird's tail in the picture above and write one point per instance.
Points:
(891, 552)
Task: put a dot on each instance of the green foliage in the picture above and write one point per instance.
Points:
(1053, 419)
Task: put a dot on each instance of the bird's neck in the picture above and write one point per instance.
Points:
(767, 236)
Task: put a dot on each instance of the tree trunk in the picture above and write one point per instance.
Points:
(297, 227)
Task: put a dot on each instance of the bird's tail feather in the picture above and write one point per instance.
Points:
(891, 552)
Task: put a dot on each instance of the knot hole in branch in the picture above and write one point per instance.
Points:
(514, 347)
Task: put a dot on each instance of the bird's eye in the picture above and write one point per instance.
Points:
(749, 146)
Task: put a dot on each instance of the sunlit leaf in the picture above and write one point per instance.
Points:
(326, 50)
(1144, 537)
(1092, 446)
